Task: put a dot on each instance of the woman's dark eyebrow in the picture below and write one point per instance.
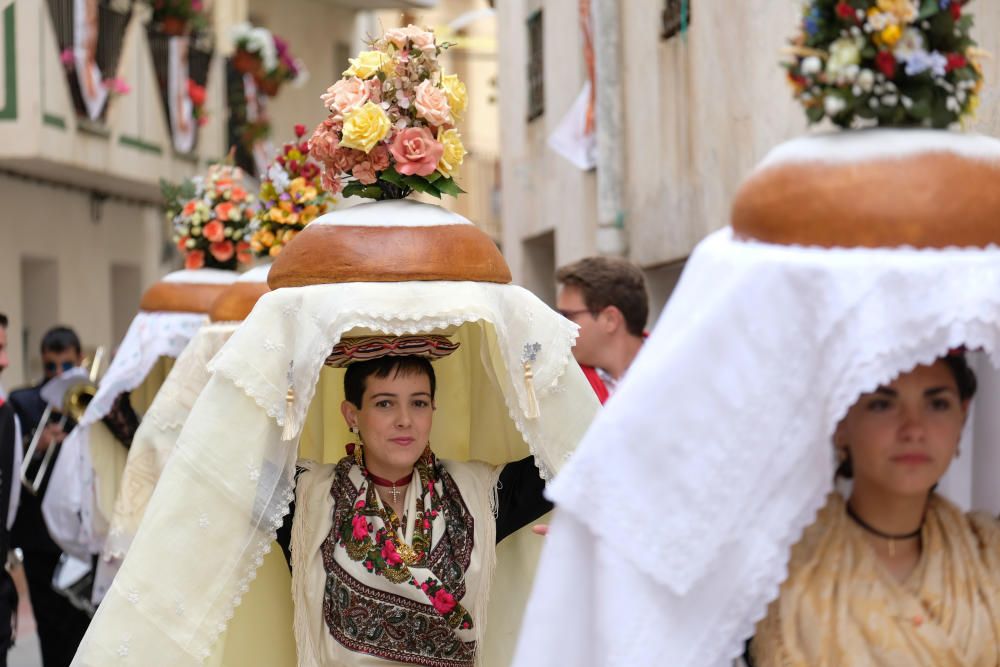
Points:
(384, 393)
(886, 391)
(938, 390)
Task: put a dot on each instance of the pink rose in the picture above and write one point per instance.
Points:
(243, 254)
(443, 601)
(222, 251)
(360, 527)
(364, 172)
(420, 38)
(379, 157)
(389, 554)
(432, 104)
(214, 231)
(345, 95)
(416, 151)
(195, 259)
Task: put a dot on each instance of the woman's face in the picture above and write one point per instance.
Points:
(395, 421)
(902, 437)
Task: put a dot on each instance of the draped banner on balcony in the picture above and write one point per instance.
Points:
(90, 35)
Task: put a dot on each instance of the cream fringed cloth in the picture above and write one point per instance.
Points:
(840, 606)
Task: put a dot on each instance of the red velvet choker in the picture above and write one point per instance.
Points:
(382, 481)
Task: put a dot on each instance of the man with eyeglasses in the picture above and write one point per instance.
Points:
(606, 297)
(61, 626)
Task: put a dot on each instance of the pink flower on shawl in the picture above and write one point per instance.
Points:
(360, 526)
(416, 151)
(443, 601)
(392, 559)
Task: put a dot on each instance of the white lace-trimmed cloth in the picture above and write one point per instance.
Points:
(722, 432)
(156, 436)
(87, 474)
(215, 511)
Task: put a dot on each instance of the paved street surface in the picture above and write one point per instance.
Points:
(25, 652)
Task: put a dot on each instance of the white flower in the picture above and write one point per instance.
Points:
(844, 53)
(879, 21)
(812, 65)
(191, 243)
(890, 100)
(278, 177)
(834, 105)
(952, 105)
(866, 80)
(911, 42)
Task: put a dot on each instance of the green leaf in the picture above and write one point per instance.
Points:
(390, 175)
(372, 192)
(815, 114)
(420, 184)
(448, 186)
(927, 9)
(433, 177)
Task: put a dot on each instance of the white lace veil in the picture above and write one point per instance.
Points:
(213, 516)
(722, 434)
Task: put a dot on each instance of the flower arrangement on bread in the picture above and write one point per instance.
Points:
(392, 127)
(886, 62)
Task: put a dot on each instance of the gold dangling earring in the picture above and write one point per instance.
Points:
(359, 454)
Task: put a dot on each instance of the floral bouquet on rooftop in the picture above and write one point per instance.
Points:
(886, 62)
(291, 196)
(210, 228)
(392, 123)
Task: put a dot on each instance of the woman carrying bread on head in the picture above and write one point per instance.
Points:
(391, 327)
(892, 572)
(818, 331)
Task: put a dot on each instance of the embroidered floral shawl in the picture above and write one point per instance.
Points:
(357, 601)
(840, 606)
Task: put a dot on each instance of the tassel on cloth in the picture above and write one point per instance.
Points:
(290, 429)
(529, 355)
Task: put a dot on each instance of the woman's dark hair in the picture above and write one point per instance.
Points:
(965, 378)
(60, 339)
(383, 367)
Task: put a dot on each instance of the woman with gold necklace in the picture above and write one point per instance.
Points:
(390, 545)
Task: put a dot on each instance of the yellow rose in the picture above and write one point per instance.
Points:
(454, 152)
(368, 64)
(458, 96)
(891, 34)
(365, 127)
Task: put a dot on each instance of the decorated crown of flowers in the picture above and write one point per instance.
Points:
(291, 196)
(210, 228)
(392, 123)
(886, 62)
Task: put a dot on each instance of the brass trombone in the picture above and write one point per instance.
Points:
(74, 403)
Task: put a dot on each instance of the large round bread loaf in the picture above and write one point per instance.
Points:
(875, 188)
(237, 300)
(389, 241)
(188, 291)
